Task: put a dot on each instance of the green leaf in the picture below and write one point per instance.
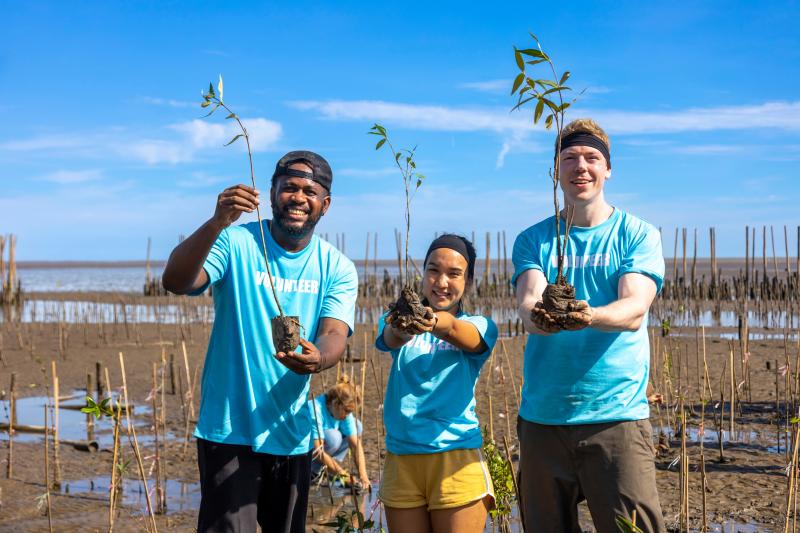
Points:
(380, 143)
(558, 88)
(535, 61)
(548, 122)
(520, 61)
(550, 104)
(534, 37)
(549, 83)
(419, 182)
(397, 156)
(219, 86)
(211, 112)
(537, 113)
(534, 52)
(517, 82)
(211, 90)
(522, 102)
(564, 77)
(564, 106)
(232, 115)
(234, 139)
(206, 103)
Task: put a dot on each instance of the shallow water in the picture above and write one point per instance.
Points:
(181, 496)
(71, 422)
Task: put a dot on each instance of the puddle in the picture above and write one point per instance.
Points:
(321, 510)
(181, 496)
(71, 422)
(766, 441)
(728, 319)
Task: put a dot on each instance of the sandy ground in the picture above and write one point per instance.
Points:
(749, 486)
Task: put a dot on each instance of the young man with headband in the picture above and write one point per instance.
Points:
(583, 425)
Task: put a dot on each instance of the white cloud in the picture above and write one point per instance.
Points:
(69, 177)
(489, 86)
(416, 116)
(367, 172)
(181, 143)
(44, 142)
(780, 115)
(168, 102)
(708, 149)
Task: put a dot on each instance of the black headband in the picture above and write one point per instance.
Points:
(580, 138)
(294, 173)
(454, 242)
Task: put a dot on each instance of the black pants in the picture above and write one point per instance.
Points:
(240, 488)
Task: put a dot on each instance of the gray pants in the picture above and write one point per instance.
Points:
(610, 465)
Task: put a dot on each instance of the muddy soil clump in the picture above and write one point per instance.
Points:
(286, 333)
(407, 309)
(558, 299)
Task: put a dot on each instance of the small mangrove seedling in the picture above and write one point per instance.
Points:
(559, 296)
(503, 481)
(408, 307)
(285, 329)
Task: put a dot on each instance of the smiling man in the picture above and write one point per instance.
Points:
(253, 432)
(583, 424)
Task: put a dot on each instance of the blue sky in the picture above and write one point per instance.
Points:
(103, 144)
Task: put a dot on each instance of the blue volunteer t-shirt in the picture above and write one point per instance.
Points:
(325, 420)
(430, 397)
(589, 376)
(248, 397)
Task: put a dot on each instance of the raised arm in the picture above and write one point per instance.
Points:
(184, 271)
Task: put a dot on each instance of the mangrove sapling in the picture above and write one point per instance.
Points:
(502, 476)
(408, 308)
(558, 298)
(285, 329)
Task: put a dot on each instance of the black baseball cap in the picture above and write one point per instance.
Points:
(320, 169)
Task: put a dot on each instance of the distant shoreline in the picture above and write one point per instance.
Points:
(722, 261)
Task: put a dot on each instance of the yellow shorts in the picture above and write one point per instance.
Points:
(436, 480)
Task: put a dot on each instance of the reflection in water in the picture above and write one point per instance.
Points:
(71, 422)
(181, 496)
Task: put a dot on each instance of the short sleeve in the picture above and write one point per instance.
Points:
(379, 342)
(316, 420)
(339, 301)
(523, 256)
(487, 329)
(348, 426)
(216, 264)
(644, 255)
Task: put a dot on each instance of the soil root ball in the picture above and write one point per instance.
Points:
(557, 299)
(286, 333)
(407, 309)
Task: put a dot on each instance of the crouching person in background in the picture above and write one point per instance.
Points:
(335, 431)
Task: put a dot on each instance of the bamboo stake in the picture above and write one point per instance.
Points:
(89, 417)
(132, 438)
(154, 407)
(511, 373)
(56, 455)
(188, 380)
(47, 473)
(12, 419)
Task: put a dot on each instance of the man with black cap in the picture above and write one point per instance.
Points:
(253, 430)
(583, 424)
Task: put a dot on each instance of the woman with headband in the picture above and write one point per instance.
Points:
(434, 478)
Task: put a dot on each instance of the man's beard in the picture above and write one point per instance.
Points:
(308, 226)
